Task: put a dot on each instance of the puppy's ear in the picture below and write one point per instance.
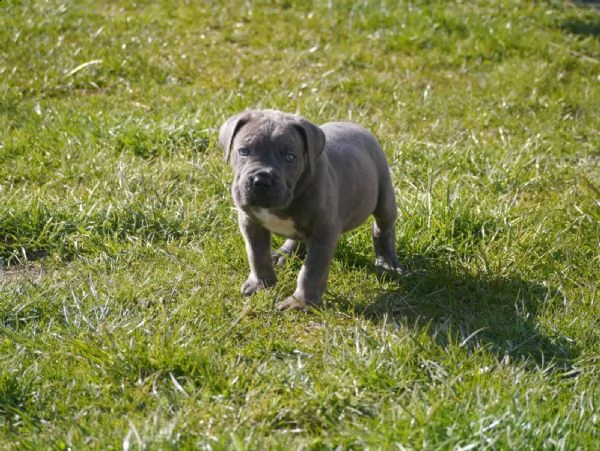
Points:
(229, 129)
(314, 140)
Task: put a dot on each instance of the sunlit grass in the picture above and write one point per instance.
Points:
(121, 322)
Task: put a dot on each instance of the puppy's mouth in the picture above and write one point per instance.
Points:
(261, 190)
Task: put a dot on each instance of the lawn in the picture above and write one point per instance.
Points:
(121, 321)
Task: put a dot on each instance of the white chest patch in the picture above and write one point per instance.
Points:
(283, 227)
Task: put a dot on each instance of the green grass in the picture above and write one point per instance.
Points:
(121, 322)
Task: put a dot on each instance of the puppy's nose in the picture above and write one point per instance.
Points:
(262, 180)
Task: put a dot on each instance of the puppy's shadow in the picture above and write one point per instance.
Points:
(497, 314)
(587, 25)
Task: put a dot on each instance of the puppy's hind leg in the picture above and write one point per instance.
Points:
(288, 249)
(384, 233)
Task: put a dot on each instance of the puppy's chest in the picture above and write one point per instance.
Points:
(283, 227)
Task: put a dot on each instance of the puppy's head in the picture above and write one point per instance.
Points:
(269, 151)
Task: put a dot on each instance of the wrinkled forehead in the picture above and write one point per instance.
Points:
(267, 132)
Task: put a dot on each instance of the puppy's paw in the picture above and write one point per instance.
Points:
(253, 284)
(294, 303)
(381, 265)
(279, 257)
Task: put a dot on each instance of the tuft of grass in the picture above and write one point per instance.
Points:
(121, 323)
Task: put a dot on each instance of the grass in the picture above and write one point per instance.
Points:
(121, 323)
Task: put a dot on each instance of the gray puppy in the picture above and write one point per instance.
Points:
(309, 184)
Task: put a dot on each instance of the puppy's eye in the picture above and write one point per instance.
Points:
(244, 151)
(290, 157)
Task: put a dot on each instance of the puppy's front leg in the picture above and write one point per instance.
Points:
(312, 279)
(258, 247)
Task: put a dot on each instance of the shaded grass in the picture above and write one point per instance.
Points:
(121, 324)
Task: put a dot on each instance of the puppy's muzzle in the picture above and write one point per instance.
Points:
(263, 189)
(262, 182)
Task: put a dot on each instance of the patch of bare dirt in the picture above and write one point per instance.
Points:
(21, 273)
